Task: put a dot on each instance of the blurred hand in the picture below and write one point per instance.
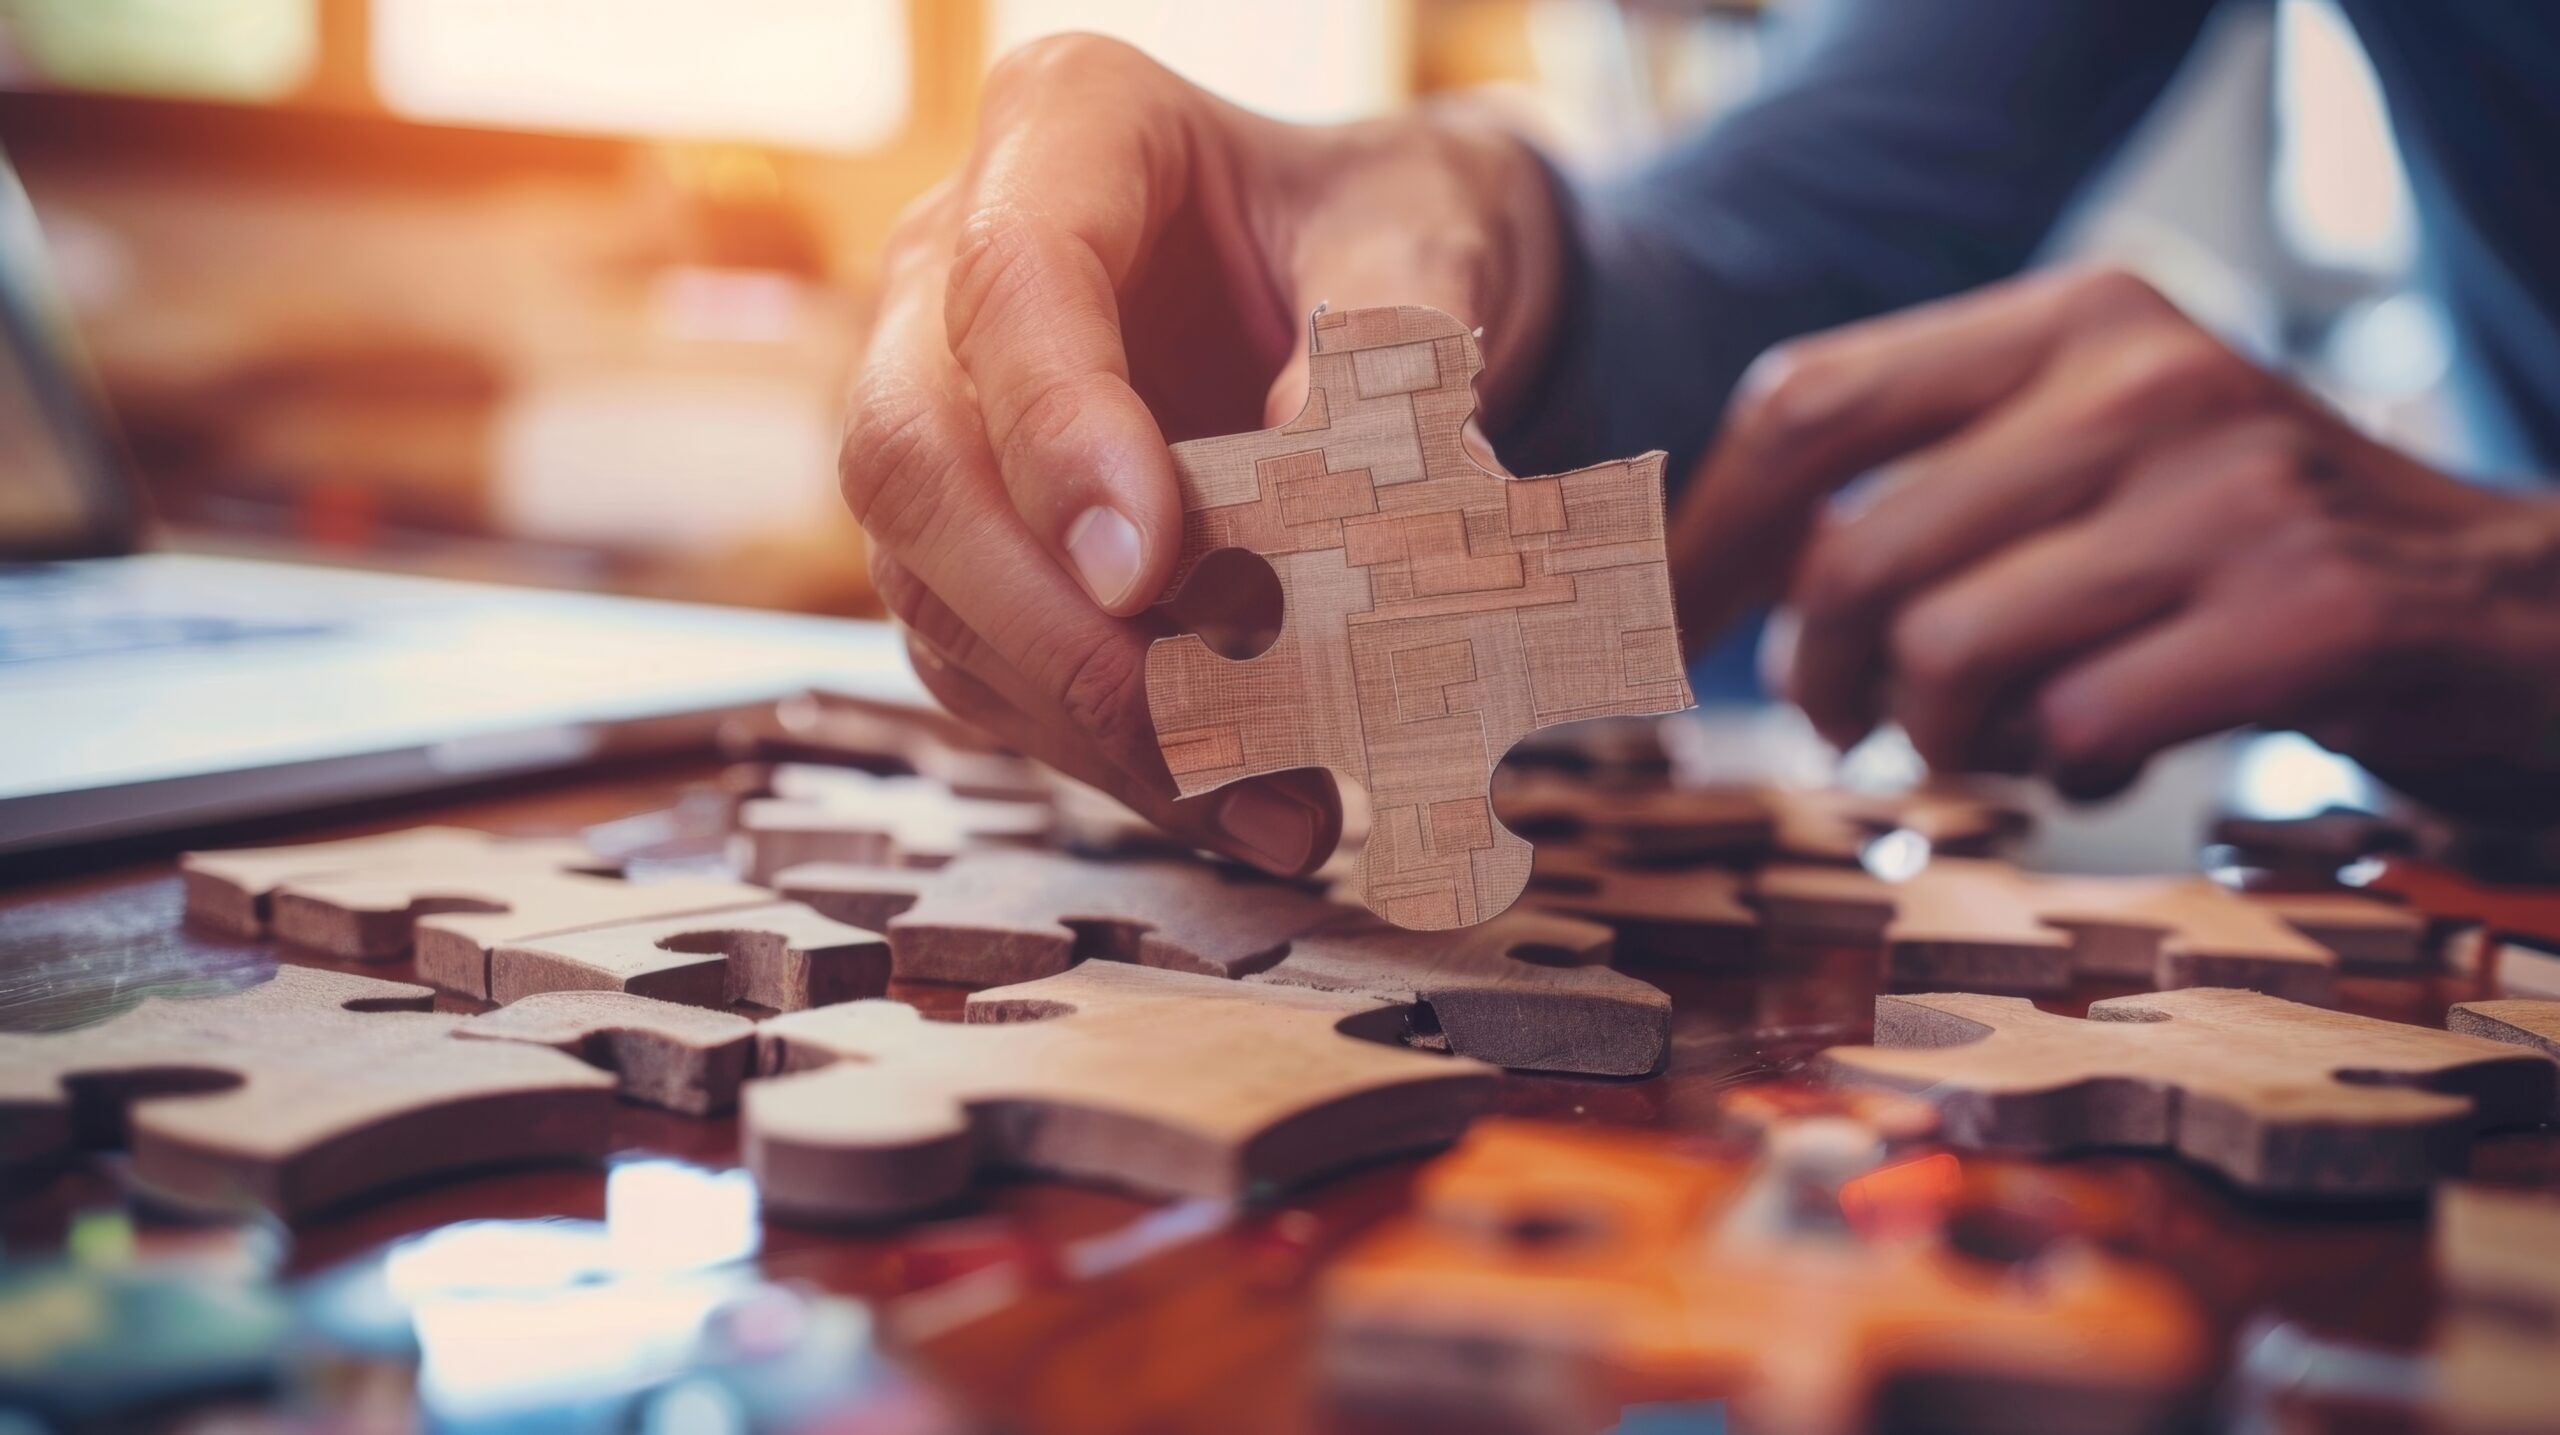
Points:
(1127, 261)
(2098, 532)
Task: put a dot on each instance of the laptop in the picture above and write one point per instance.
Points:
(144, 692)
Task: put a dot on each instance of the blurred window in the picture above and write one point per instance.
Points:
(1311, 60)
(827, 74)
(250, 50)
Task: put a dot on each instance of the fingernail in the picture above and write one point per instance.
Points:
(1104, 546)
(1276, 830)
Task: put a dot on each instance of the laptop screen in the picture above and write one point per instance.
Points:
(63, 489)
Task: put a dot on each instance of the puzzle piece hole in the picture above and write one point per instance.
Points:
(100, 1100)
(1106, 940)
(1232, 602)
(1538, 954)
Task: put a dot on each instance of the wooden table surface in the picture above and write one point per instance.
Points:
(1214, 1334)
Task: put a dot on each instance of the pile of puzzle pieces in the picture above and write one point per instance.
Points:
(1142, 1016)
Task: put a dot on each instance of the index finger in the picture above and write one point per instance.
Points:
(1081, 167)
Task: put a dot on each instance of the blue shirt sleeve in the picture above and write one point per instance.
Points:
(1920, 147)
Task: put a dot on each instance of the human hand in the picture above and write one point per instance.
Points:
(2099, 532)
(1126, 261)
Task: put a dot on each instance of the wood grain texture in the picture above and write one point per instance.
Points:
(298, 1094)
(780, 955)
(2516, 1021)
(1547, 1251)
(1983, 925)
(228, 891)
(454, 920)
(1536, 992)
(1435, 613)
(822, 814)
(661, 1054)
(1158, 1081)
(2497, 1345)
(997, 917)
(1693, 917)
(2281, 1098)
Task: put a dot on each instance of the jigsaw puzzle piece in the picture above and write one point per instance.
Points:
(781, 955)
(455, 920)
(1985, 925)
(681, 1058)
(1535, 992)
(229, 890)
(1547, 1274)
(1435, 614)
(317, 1087)
(2281, 1098)
(994, 916)
(2517, 1021)
(1164, 1082)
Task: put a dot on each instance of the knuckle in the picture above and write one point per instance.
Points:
(1038, 65)
(1050, 420)
(2178, 373)
(1103, 691)
(993, 256)
(2109, 294)
(2266, 492)
(900, 449)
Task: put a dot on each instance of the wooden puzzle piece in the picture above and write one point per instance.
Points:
(2497, 1342)
(1435, 613)
(1607, 1266)
(455, 920)
(1164, 1082)
(2517, 1022)
(1526, 990)
(1537, 992)
(1692, 917)
(317, 1087)
(781, 955)
(229, 891)
(998, 916)
(2283, 1099)
(842, 730)
(679, 1057)
(821, 814)
(1985, 925)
